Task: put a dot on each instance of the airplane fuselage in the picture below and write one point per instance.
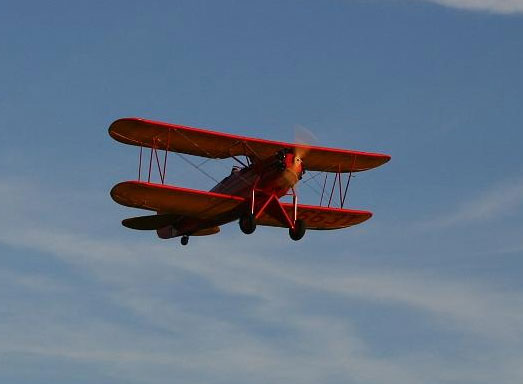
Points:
(275, 175)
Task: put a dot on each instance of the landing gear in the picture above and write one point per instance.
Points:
(184, 240)
(298, 231)
(247, 223)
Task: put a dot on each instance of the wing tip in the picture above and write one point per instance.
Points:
(117, 129)
(384, 158)
(130, 223)
(379, 160)
(366, 216)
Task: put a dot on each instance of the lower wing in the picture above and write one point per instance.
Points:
(183, 209)
(316, 217)
(173, 203)
(170, 201)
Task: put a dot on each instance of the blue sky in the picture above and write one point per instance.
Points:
(428, 291)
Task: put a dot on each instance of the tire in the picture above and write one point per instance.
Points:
(299, 230)
(247, 223)
(184, 240)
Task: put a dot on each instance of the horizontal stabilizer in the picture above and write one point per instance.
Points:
(206, 231)
(147, 223)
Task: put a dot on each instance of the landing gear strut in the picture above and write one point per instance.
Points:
(248, 223)
(184, 240)
(296, 226)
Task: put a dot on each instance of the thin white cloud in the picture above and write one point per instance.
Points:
(499, 201)
(206, 346)
(494, 6)
(329, 345)
(469, 306)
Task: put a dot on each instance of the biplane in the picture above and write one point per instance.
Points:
(266, 172)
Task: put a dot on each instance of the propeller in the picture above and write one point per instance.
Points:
(303, 138)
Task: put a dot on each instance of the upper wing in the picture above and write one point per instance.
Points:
(199, 142)
(167, 199)
(318, 217)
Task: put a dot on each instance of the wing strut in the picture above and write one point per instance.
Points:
(346, 189)
(343, 191)
(337, 180)
(156, 144)
(161, 169)
(323, 190)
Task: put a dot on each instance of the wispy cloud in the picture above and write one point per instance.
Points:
(213, 345)
(495, 6)
(499, 201)
(249, 318)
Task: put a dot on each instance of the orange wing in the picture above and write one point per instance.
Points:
(171, 201)
(316, 217)
(199, 142)
(168, 199)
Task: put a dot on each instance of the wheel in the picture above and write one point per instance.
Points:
(247, 223)
(298, 231)
(184, 240)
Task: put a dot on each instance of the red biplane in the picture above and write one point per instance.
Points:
(250, 194)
